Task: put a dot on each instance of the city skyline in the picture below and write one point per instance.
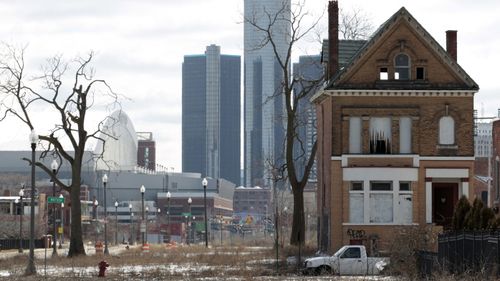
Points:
(136, 50)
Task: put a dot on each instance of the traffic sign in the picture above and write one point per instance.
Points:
(55, 200)
(186, 214)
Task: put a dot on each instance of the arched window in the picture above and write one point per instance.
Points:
(402, 67)
(446, 130)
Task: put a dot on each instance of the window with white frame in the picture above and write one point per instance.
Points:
(356, 202)
(381, 202)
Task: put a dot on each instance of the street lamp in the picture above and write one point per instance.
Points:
(168, 214)
(96, 203)
(146, 224)
(104, 182)
(116, 222)
(54, 166)
(142, 190)
(31, 269)
(189, 220)
(204, 183)
(130, 212)
(61, 241)
(158, 211)
(21, 194)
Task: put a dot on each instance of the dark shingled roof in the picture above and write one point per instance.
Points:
(347, 49)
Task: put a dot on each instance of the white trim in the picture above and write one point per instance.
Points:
(428, 202)
(465, 189)
(416, 158)
(445, 158)
(375, 224)
(447, 173)
(394, 93)
(377, 173)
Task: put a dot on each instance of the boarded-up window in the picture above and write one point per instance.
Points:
(355, 135)
(356, 207)
(356, 202)
(381, 202)
(405, 135)
(446, 130)
(381, 207)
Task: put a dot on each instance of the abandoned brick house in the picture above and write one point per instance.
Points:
(395, 135)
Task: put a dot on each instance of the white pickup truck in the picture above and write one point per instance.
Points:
(349, 260)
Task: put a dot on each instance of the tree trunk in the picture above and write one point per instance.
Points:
(298, 224)
(76, 240)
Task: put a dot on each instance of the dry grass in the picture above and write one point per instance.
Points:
(181, 263)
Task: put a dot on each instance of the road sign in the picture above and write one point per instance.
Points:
(55, 200)
(186, 214)
(143, 227)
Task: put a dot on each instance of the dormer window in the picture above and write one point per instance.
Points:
(402, 67)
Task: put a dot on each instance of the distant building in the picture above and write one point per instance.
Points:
(252, 201)
(146, 150)
(211, 114)
(483, 139)
(119, 149)
(264, 103)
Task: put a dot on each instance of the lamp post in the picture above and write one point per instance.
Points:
(53, 166)
(96, 203)
(158, 211)
(104, 182)
(21, 194)
(61, 241)
(189, 220)
(116, 222)
(204, 183)
(146, 224)
(168, 215)
(31, 269)
(130, 212)
(142, 190)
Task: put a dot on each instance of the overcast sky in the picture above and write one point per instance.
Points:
(140, 44)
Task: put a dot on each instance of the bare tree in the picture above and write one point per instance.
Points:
(297, 89)
(20, 96)
(354, 25)
(295, 17)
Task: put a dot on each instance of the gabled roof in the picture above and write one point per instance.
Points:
(404, 15)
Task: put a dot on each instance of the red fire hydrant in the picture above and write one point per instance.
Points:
(103, 265)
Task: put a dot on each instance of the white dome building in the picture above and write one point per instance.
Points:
(120, 151)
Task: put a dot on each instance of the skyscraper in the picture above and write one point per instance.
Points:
(211, 114)
(264, 105)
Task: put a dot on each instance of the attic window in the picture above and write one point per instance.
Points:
(383, 73)
(402, 67)
(420, 73)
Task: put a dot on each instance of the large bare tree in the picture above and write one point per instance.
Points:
(266, 25)
(297, 89)
(21, 96)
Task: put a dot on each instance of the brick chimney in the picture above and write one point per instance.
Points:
(451, 43)
(333, 38)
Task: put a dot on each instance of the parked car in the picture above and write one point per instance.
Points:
(349, 260)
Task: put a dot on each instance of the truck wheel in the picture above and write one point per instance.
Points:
(324, 269)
